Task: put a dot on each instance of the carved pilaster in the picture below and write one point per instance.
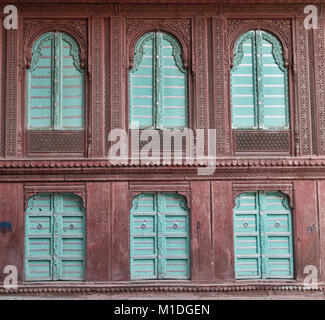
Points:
(116, 72)
(11, 93)
(220, 107)
(303, 94)
(201, 72)
(97, 88)
(319, 48)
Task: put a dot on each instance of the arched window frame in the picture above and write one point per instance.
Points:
(181, 57)
(55, 96)
(53, 142)
(280, 53)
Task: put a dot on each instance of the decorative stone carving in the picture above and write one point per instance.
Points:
(78, 190)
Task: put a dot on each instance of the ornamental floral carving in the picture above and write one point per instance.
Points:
(180, 28)
(33, 28)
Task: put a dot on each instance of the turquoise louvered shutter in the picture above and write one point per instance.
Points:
(247, 236)
(276, 235)
(141, 80)
(243, 84)
(173, 237)
(55, 85)
(143, 237)
(174, 84)
(259, 83)
(39, 85)
(263, 236)
(39, 238)
(72, 85)
(273, 82)
(55, 238)
(158, 84)
(159, 237)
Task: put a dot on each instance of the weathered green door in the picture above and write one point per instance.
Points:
(159, 237)
(263, 236)
(55, 238)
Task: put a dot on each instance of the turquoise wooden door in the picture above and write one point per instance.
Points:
(259, 83)
(158, 84)
(55, 238)
(55, 84)
(263, 236)
(159, 237)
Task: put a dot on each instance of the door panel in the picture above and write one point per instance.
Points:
(55, 238)
(278, 235)
(247, 236)
(263, 236)
(159, 241)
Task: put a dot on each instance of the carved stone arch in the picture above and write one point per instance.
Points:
(181, 189)
(186, 195)
(283, 35)
(135, 32)
(286, 189)
(34, 30)
(30, 191)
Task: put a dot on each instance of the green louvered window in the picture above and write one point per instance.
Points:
(55, 238)
(55, 84)
(259, 83)
(158, 84)
(263, 236)
(159, 237)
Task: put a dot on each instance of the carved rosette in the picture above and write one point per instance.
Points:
(180, 28)
(30, 191)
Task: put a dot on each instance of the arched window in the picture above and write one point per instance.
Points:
(55, 237)
(159, 237)
(259, 83)
(55, 84)
(158, 84)
(263, 236)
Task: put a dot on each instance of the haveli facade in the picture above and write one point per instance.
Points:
(74, 221)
